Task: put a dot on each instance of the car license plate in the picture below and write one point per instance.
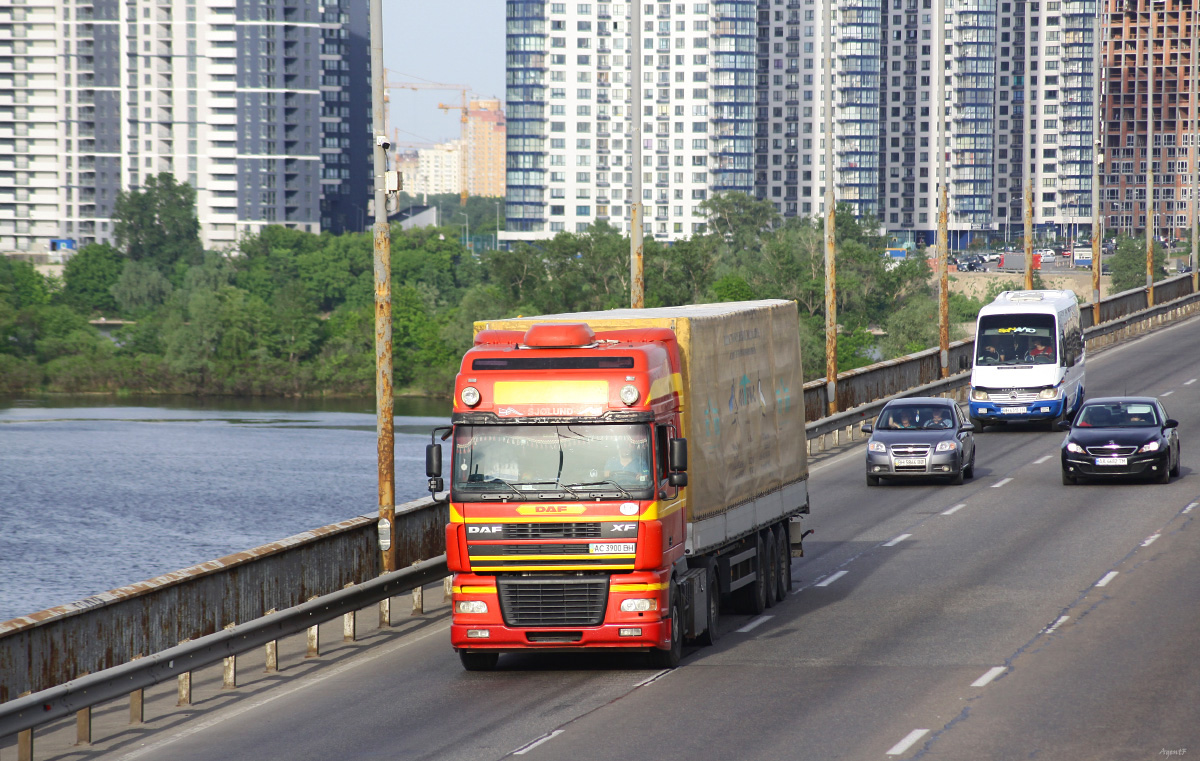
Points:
(1012, 410)
(1112, 460)
(910, 462)
(613, 548)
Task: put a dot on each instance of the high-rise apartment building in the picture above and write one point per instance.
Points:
(485, 148)
(570, 122)
(439, 169)
(263, 107)
(1150, 76)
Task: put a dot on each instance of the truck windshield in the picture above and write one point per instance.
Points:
(1016, 339)
(504, 458)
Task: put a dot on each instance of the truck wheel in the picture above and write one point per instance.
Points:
(669, 659)
(770, 569)
(477, 661)
(978, 423)
(783, 557)
(712, 622)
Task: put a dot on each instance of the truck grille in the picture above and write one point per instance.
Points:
(552, 531)
(553, 601)
(1016, 396)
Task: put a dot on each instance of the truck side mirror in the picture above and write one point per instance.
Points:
(679, 455)
(433, 460)
(677, 479)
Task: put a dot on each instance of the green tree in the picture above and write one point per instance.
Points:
(140, 287)
(158, 223)
(1129, 264)
(89, 276)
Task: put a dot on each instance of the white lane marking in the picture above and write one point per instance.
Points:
(755, 623)
(831, 579)
(1050, 629)
(283, 693)
(1107, 578)
(838, 458)
(1040, 460)
(1150, 540)
(1000, 483)
(1188, 383)
(991, 674)
(652, 678)
(955, 509)
(1166, 393)
(526, 748)
(909, 740)
(897, 540)
(1190, 507)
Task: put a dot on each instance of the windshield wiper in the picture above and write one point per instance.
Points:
(604, 483)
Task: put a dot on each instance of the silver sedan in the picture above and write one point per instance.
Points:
(920, 437)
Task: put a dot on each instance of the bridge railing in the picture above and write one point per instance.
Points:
(65, 656)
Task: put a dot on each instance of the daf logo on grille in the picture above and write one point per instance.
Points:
(485, 529)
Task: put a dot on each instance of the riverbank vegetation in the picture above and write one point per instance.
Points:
(292, 313)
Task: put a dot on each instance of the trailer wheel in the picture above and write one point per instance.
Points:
(783, 558)
(770, 569)
(753, 596)
(669, 659)
(478, 661)
(712, 631)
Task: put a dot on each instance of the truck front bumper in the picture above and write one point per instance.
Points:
(632, 636)
(1042, 409)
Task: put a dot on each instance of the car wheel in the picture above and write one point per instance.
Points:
(1178, 459)
(872, 480)
(1068, 480)
(969, 471)
(1164, 473)
(478, 661)
(957, 478)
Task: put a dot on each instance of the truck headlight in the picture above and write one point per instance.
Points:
(1151, 447)
(979, 395)
(1048, 393)
(639, 605)
(470, 606)
(629, 394)
(470, 396)
(876, 446)
(1073, 447)
(947, 446)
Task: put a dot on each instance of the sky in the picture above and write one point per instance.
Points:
(451, 41)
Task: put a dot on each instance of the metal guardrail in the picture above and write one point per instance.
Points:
(130, 638)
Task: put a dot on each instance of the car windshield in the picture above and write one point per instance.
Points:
(1117, 415)
(912, 416)
(523, 458)
(1015, 339)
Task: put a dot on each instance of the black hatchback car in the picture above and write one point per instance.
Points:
(1121, 436)
(920, 436)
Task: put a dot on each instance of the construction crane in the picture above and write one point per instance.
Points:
(462, 149)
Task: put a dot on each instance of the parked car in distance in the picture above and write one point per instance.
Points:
(990, 256)
(920, 437)
(1120, 436)
(1044, 252)
(971, 263)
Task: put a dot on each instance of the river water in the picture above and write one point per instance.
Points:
(97, 493)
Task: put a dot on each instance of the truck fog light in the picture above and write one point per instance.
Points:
(470, 396)
(638, 606)
(629, 394)
(470, 606)
(629, 632)
(478, 634)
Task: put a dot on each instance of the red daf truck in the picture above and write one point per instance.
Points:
(577, 521)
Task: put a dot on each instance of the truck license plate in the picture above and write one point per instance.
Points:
(613, 548)
(1012, 410)
(910, 461)
(1112, 460)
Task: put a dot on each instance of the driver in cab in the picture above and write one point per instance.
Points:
(630, 461)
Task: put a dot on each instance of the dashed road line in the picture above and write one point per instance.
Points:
(755, 623)
(652, 678)
(526, 748)
(1050, 629)
(1040, 460)
(1188, 383)
(1150, 540)
(909, 740)
(897, 540)
(1001, 482)
(1190, 507)
(1167, 393)
(991, 674)
(955, 509)
(1107, 578)
(826, 582)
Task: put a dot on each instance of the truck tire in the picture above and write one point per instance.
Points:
(473, 660)
(669, 658)
(978, 424)
(754, 595)
(712, 623)
(770, 569)
(783, 555)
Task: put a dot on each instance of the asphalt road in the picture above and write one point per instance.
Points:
(1008, 618)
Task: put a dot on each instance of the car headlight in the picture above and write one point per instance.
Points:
(1151, 447)
(639, 605)
(1048, 393)
(1073, 447)
(876, 446)
(978, 395)
(947, 446)
(470, 606)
